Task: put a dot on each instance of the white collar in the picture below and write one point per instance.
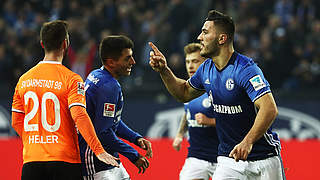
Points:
(50, 62)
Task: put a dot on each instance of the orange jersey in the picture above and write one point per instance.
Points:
(44, 95)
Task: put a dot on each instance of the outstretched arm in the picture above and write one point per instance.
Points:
(183, 127)
(267, 113)
(178, 88)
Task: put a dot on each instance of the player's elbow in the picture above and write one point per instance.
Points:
(274, 112)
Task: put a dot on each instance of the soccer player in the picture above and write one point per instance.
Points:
(242, 101)
(48, 103)
(104, 105)
(198, 120)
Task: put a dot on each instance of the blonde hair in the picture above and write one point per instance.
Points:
(191, 48)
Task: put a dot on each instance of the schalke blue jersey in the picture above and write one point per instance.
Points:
(203, 139)
(233, 91)
(104, 105)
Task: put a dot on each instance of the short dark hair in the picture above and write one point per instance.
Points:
(53, 33)
(111, 47)
(191, 48)
(224, 23)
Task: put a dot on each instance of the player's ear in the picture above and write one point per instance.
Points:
(65, 44)
(222, 39)
(109, 62)
(41, 43)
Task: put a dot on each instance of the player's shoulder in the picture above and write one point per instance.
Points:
(57, 67)
(69, 73)
(206, 65)
(29, 73)
(243, 62)
(102, 78)
(208, 62)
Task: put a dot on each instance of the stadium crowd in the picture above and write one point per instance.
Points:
(282, 35)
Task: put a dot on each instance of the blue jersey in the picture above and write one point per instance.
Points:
(203, 139)
(104, 105)
(233, 91)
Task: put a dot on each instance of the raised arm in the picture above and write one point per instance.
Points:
(178, 88)
(266, 115)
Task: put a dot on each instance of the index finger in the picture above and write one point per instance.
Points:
(231, 154)
(155, 49)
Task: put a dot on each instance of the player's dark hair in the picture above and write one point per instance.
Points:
(111, 47)
(53, 33)
(191, 48)
(223, 22)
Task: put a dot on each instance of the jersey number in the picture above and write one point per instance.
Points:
(46, 96)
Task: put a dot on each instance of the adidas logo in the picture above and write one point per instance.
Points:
(207, 81)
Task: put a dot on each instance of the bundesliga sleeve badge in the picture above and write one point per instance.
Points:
(109, 109)
(257, 82)
(81, 89)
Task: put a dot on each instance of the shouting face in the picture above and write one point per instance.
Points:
(209, 40)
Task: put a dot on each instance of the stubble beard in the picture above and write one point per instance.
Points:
(212, 50)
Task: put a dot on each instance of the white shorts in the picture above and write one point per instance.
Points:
(194, 168)
(110, 174)
(266, 169)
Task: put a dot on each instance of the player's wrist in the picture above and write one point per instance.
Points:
(165, 70)
(137, 140)
(179, 136)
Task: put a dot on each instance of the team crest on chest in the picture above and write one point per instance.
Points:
(230, 84)
(206, 103)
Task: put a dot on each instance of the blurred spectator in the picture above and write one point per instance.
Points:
(284, 9)
(285, 47)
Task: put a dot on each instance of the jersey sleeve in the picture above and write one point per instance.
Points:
(111, 142)
(125, 132)
(17, 102)
(253, 81)
(84, 124)
(196, 80)
(76, 94)
(17, 111)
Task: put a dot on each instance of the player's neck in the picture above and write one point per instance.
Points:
(113, 74)
(53, 56)
(223, 58)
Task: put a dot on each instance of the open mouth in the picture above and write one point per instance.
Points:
(191, 73)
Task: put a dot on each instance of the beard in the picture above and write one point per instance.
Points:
(212, 50)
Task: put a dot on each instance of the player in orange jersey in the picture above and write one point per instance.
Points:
(48, 105)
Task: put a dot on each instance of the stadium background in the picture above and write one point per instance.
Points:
(283, 36)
